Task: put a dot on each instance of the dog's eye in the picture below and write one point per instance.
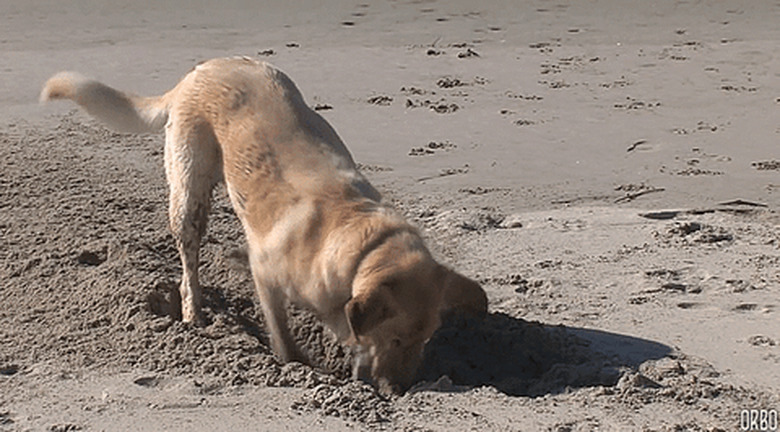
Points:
(396, 342)
(390, 284)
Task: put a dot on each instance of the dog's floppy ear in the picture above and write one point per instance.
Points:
(366, 311)
(462, 294)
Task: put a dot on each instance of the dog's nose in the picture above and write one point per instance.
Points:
(388, 388)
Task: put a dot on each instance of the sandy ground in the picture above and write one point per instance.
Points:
(608, 170)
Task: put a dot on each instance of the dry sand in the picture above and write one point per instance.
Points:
(608, 170)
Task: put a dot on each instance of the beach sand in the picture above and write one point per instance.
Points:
(609, 171)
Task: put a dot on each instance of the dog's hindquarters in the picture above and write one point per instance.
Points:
(193, 163)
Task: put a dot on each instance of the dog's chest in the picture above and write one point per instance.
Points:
(284, 236)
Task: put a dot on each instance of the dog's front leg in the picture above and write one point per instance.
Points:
(274, 308)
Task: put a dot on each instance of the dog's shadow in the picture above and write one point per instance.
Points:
(522, 358)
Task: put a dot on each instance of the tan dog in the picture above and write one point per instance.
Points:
(317, 234)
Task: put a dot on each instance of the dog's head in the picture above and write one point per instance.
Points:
(400, 296)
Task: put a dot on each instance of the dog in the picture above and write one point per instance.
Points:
(318, 234)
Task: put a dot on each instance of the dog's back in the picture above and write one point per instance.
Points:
(265, 128)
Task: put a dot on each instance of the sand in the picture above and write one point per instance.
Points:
(608, 170)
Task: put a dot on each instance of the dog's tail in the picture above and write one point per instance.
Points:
(119, 110)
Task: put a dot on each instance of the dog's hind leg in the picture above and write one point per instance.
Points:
(192, 166)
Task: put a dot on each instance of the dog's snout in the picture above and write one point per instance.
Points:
(363, 361)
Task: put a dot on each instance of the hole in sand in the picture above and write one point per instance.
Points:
(165, 301)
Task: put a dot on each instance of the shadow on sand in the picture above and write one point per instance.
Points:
(517, 357)
(522, 358)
